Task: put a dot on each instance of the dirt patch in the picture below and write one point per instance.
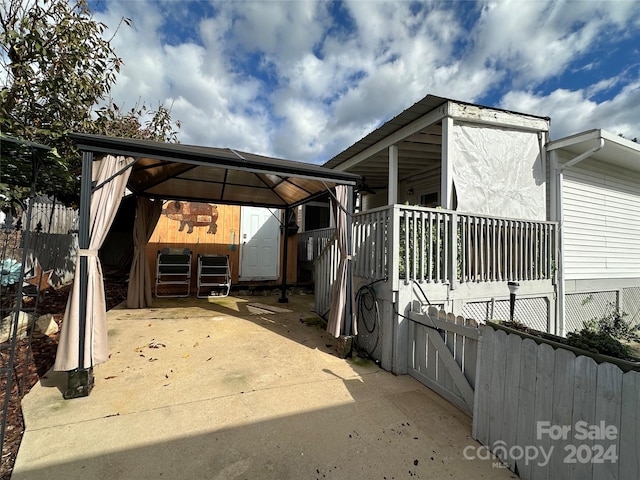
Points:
(30, 364)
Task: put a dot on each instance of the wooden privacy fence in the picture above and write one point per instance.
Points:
(547, 413)
(53, 240)
(442, 355)
(51, 218)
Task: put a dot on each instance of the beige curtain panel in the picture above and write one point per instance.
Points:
(139, 292)
(104, 205)
(335, 325)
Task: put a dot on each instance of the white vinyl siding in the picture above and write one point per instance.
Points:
(374, 201)
(422, 183)
(601, 222)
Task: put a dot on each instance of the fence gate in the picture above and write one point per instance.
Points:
(443, 351)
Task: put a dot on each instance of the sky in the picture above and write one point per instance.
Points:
(303, 80)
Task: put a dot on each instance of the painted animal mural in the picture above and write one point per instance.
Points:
(193, 214)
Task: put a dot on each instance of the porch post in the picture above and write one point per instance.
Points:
(446, 175)
(285, 249)
(399, 299)
(393, 175)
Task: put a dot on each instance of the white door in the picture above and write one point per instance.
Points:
(259, 243)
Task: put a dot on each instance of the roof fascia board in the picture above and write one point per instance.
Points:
(233, 165)
(574, 139)
(593, 135)
(430, 118)
(617, 139)
(623, 142)
(498, 118)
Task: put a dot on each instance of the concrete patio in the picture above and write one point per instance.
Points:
(235, 387)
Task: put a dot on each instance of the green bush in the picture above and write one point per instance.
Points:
(603, 335)
(613, 324)
(599, 342)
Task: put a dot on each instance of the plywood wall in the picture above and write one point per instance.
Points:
(225, 240)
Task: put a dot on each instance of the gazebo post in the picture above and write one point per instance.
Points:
(285, 249)
(80, 380)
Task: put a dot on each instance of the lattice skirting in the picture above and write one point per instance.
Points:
(533, 312)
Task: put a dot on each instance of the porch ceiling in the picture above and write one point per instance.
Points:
(417, 151)
(216, 175)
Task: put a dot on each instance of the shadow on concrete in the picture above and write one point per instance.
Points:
(245, 403)
(405, 434)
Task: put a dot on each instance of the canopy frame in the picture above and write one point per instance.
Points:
(306, 182)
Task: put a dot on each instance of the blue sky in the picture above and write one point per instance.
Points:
(305, 79)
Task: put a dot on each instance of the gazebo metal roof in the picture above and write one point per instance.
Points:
(216, 175)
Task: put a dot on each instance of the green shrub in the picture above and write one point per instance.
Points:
(599, 342)
(603, 335)
(613, 324)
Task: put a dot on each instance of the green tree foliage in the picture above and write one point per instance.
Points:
(56, 67)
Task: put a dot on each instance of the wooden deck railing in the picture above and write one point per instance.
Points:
(371, 243)
(498, 249)
(311, 243)
(445, 246)
(325, 268)
(442, 246)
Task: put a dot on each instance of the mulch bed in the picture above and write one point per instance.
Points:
(29, 367)
(634, 345)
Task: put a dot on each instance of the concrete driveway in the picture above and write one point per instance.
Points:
(235, 388)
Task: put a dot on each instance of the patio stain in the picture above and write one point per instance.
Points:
(59, 405)
(362, 362)
(235, 378)
(314, 321)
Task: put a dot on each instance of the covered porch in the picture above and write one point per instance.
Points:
(452, 208)
(416, 257)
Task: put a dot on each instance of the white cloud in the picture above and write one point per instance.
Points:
(282, 30)
(573, 111)
(536, 40)
(315, 88)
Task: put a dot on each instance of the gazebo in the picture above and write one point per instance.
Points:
(156, 171)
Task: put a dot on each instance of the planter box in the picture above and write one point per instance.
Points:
(557, 342)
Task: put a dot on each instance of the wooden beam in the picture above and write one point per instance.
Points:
(417, 125)
(446, 181)
(500, 118)
(393, 175)
(420, 147)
